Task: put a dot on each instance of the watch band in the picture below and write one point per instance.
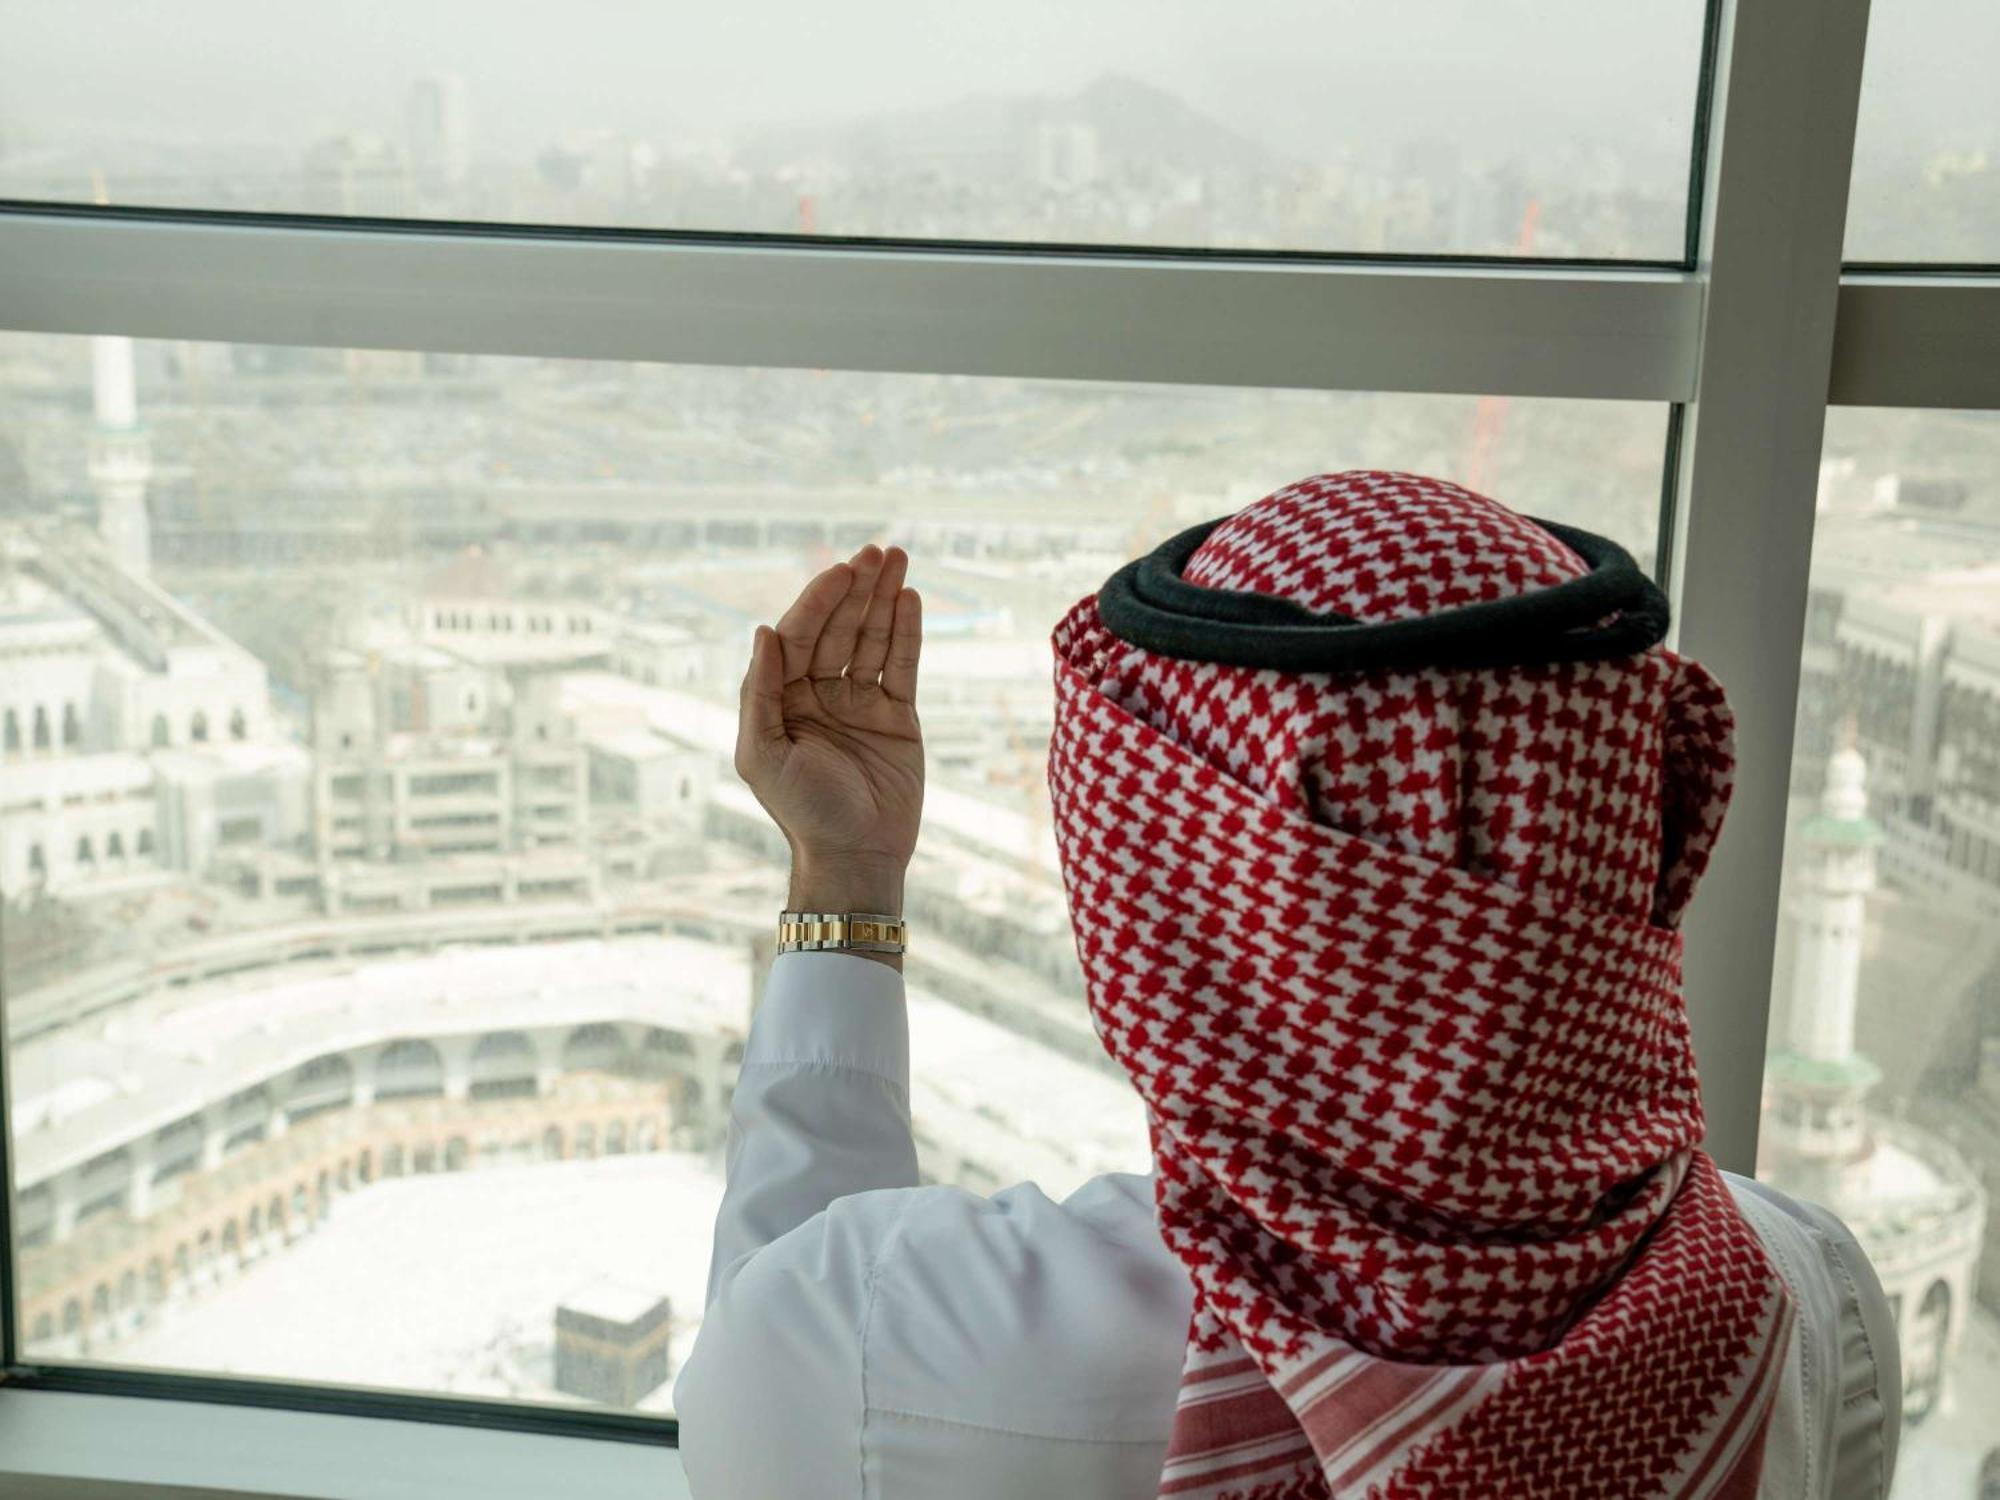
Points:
(834, 931)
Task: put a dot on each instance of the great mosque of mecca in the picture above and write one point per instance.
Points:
(458, 931)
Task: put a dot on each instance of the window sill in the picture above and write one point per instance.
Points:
(56, 1445)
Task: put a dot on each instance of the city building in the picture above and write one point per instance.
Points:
(1910, 1198)
(136, 736)
(1066, 155)
(440, 133)
(438, 779)
(1903, 643)
(356, 172)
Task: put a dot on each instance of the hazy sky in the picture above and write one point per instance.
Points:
(1505, 74)
(1284, 70)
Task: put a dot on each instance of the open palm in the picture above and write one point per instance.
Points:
(828, 737)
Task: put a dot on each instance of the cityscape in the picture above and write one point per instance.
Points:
(382, 918)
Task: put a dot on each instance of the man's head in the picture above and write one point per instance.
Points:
(1601, 782)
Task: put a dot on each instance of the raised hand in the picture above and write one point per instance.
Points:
(828, 737)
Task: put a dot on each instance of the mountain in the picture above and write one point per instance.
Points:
(999, 136)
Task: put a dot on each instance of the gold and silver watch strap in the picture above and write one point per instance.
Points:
(852, 931)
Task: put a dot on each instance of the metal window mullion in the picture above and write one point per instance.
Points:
(10, 1334)
(1918, 339)
(1529, 331)
(1788, 85)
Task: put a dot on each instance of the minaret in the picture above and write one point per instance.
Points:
(1818, 1080)
(121, 458)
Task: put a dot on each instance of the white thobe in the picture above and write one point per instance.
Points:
(871, 1338)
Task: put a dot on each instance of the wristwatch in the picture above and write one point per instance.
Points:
(841, 931)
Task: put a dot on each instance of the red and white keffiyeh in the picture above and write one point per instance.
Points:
(1393, 959)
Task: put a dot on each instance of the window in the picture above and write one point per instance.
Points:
(348, 459)
(1010, 533)
(248, 829)
(1279, 124)
(1882, 1094)
(1927, 152)
(455, 784)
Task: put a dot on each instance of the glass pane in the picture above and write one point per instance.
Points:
(1927, 152)
(1882, 1099)
(1560, 128)
(383, 916)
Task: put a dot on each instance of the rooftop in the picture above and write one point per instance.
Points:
(233, 758)
(477, 648)
(35, 616)
(632, 744)
(31, 779)
(611, 1301)
(144, 620)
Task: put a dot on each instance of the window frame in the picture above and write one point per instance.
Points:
(1488, 328)
(54, 1443)
(1747, 339)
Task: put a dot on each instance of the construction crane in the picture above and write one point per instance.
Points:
(1489, 418)
(1031, 775)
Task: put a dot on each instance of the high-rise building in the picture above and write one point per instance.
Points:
(440, 133)
(1912, 1201)
(135, 735)
(1067, 155)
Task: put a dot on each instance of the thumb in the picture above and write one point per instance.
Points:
(761, 740)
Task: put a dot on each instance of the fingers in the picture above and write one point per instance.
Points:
(760, 723)
(800, 627)
(836, 641)
(906, 639)
(872, 649)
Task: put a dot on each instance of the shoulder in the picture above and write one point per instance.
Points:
(1844, 1373)
(1064, 1320)
(772, 1389)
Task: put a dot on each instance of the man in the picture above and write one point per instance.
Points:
(1378, 807)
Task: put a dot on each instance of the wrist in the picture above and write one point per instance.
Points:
(846, 884)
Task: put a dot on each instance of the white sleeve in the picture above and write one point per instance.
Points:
(822, 1104)
(1868, 1428)
(821, 1112)
(1836, 1433)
